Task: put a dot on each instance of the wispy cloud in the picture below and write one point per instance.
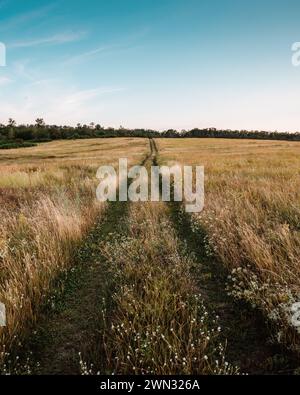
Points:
(102, 50)
(124, 44)
(89, 54)
(88, 94)
(54, 101)
(5, 81)
(60, 38)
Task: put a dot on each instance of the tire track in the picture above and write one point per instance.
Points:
(71, 330)
(244, 330)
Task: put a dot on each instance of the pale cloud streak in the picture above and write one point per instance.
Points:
(55, 102)
(82, 96)
(5, 81)
(125, 44)
(82, 57)
(60, 38)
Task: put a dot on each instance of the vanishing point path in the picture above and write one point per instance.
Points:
(72, 329)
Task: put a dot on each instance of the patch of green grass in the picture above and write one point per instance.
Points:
(13, 145)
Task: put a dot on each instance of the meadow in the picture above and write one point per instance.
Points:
(160, 323)
(157, 285)
(251, 220)
(47, 206)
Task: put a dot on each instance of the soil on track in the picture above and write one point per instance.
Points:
(73, 327)
(243, 329)
(75, 324)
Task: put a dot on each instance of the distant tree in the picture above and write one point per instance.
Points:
(42, 132)
(39, 122)
(11, 122)
(11, 128)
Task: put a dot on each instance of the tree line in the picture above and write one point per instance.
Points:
(13, 135)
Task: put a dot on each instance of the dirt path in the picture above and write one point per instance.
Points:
(73, 327)
(75, 324)
(244, 330)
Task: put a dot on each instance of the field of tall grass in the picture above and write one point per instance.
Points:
(159, 322)
(47, 205)
(252, 220)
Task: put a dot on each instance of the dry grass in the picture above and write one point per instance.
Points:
(252, 218)
(159, 324)
(47, 204)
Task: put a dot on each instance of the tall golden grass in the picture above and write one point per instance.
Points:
(47, 204)
(159, 324)
(252, 219)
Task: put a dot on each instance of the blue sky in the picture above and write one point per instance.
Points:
(151, 63)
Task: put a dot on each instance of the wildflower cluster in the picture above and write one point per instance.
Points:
(275, 300)
(254, 276)
(160, 325)
(13, 365)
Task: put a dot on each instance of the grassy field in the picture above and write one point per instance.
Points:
(153, 286)
(160, 324)
(47, 205)
(251, 219)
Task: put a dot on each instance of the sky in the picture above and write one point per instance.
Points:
(154, 64)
